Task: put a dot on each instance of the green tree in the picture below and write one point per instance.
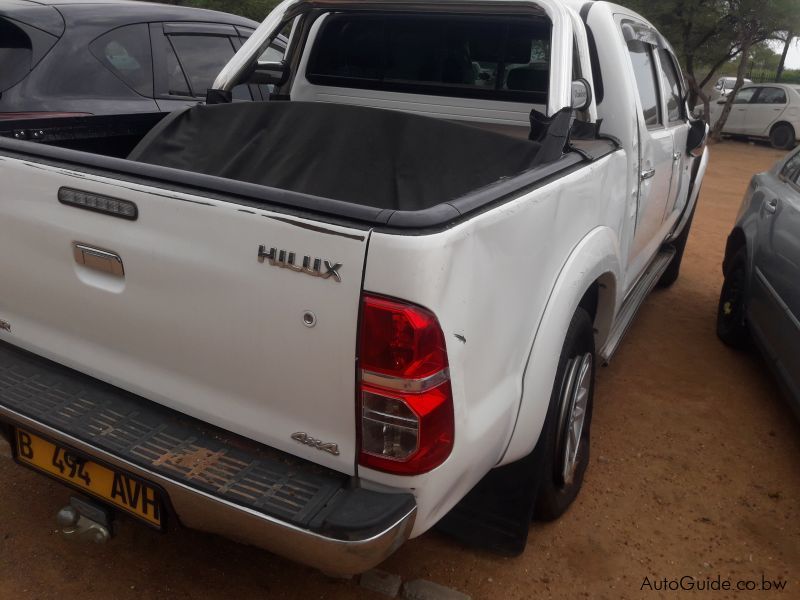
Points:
(708, 34)
(252, 9)
(754, 21)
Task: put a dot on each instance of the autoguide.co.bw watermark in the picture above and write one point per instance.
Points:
(687, 583)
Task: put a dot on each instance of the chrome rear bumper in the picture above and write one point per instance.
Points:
(324, 520)
(201, 511)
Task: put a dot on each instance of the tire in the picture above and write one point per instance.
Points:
(561, 476)
(670, 276)
(782, 136)
(731, 322)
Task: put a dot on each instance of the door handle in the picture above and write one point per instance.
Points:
(98, 259)
(771, 206)
(647, 174)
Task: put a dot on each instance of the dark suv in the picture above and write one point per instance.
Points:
(96, 57)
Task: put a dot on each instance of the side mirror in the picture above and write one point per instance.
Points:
(266, 73)
(581, 94)
(697, 138)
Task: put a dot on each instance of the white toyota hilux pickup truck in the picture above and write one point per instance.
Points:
(325, 323)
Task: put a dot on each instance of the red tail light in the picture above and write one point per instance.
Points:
(405, 400)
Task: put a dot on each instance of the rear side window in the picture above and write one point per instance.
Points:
(672, 87)
(16, 54)
(176, 78)
(791, 170)
(202, 58)
(449, 56)
(771, 95)
(744, 95)
(644, 69)
(126, 52)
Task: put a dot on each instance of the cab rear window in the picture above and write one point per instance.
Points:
(488, 58)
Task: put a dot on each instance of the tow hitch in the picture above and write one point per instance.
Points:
(85, 521)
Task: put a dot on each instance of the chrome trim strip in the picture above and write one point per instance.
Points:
(405, 385)
(198, 510)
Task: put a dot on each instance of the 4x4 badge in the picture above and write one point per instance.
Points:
(306, 439)
(5, 325)
(311, 266)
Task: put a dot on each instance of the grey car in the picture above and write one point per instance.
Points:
(109, 57)
(760, 299)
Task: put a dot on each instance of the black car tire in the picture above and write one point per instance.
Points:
(731, 321)
(782, 136)
(670, 276)
(554, 494)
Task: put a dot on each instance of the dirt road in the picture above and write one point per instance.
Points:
(695, 472)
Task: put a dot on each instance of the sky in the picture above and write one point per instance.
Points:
(793, 57)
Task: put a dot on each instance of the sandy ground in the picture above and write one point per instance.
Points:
(695, 472)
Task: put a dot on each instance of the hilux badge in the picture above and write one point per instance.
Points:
(310, 266)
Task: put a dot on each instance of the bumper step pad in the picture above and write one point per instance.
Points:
(189, 451)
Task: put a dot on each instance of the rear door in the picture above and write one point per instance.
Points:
(775, 306)
(175, 305)
(740, 111)
(764, 109)
(655, 143)
(676, 119)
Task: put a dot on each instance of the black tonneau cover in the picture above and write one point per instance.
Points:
(372, 157)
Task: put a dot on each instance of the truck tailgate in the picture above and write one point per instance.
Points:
(189, 316)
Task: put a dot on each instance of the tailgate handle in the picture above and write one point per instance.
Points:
(98, 259)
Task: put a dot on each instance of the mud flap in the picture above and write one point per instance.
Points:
(496, 514)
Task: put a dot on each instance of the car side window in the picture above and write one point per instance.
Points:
(126, 52)
(176, 78)
(272, 54)
(202, 58)
(672, 87)
(791, 170)
(16, 54)
(745, 95)
(644, 69)
(771, 95)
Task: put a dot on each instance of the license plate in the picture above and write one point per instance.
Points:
(115, 487)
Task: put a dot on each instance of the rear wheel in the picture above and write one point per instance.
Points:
(497, 512)
(731, 322)
(782, 136)
(564, 442)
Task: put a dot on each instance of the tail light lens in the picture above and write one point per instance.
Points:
(405, 400)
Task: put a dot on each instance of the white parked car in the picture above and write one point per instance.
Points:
(325, 323)
(766, 111)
